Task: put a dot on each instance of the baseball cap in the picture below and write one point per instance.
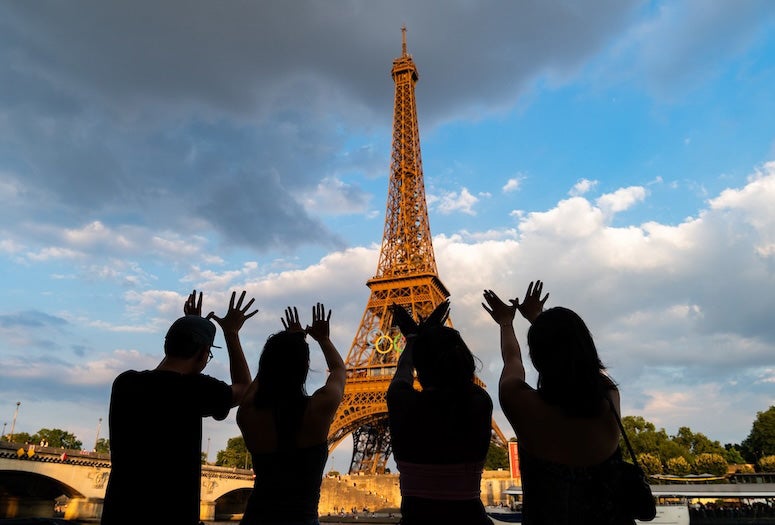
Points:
(194, 329)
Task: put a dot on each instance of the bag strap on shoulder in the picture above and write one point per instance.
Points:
(624, 434)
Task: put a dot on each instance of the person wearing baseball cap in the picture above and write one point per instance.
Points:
(156, 416)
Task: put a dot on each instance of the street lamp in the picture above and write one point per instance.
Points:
(13, 424)
(97, 438)
(3, 434)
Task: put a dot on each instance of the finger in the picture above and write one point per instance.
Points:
(329, 315)
(283, 321)
(241, 297)
(251, 314)
(245, 308)
(486, 308)
(199, 302)
(231, 301)
(211, 315)
(295, 314)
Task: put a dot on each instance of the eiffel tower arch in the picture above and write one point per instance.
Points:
(406, 275)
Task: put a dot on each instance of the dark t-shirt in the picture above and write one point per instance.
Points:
(439, 428)
(156, 443)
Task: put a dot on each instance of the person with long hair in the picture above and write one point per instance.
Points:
(566, 429)
(441, 433)
(286, 430)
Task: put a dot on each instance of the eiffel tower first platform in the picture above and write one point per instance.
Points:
(406, 275)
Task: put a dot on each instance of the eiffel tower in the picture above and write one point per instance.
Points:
(406, 275)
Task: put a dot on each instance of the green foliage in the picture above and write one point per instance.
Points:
(767, 464)
(57, 438)
(497, 457)
(709, 463)
(732, 455)
(650, 463)
(102, 446)
(761, 440)
(19, 437)
(678, 466)
(235, 455)
(697, 443)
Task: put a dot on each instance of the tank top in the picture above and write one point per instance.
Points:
(287, 485)
(555, 494)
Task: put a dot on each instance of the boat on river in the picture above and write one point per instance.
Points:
(667, 514)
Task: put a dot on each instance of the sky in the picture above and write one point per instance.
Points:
(621, 151)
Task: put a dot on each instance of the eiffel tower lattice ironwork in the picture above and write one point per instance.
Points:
(406, 275)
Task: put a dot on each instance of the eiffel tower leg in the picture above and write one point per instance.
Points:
(371, 448)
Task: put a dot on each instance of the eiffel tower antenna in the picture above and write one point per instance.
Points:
(406, 275)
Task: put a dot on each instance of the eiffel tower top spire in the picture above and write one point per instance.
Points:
(407, 248)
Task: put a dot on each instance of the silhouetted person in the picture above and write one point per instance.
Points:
(441, 434)
(156, 420)
(567, 433)
(285, 430)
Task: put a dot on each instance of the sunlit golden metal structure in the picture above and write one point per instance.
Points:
(406, 275)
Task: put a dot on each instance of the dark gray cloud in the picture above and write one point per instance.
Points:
(168, 115)
(182, 115)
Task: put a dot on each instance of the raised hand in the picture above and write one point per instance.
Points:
(502, 313)
(532, 305)
(438, 315)
(236, 315)
(403, 320)
(319, 330)
(291, 321)
(192, 306)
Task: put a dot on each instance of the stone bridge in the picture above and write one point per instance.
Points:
(32, 477)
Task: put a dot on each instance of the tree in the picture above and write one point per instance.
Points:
(761, 441)
(102, 446)
(650, 463)
(57, 438)
(732, 454)
(19, 437)
(235, 455)
(706, 463)
(678, 466)
(767, 464)
(497, 457)
(697, 443)
(643, 435)
(646, 439)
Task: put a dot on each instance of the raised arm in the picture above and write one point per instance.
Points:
(327, 397)
(503, 314)
(405, 366)
(231, 324)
